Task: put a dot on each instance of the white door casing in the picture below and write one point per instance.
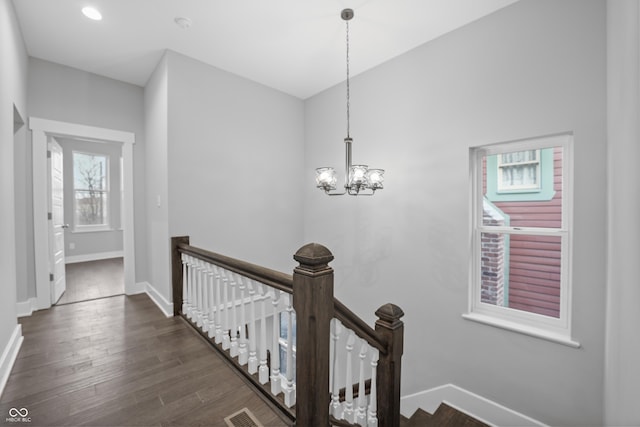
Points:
(56, 223)
(41, 130)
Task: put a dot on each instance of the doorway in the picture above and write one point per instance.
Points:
(42, 132)
(92, 211)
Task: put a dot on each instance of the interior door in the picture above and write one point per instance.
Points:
(56, 222)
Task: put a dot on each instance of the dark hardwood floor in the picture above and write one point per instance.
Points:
(93, 279)
(120, 362)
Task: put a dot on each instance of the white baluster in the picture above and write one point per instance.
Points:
(226, 337)
(361, 413)
(276, 385)
(349, 414)
(263, 370)
(187, 310)
(194, 289)
(336, 407)
(233, 327)
(204, 317)
(192, 281)
(198, 314)
(290, 387)
(211, 284)
(243, 351)
(183, 257)
(372, 416)
(219, 305)
(253, 358)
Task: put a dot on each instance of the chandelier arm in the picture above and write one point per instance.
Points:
(360, 192)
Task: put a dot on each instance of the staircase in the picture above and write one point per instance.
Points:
(445, 416)
(307, 354)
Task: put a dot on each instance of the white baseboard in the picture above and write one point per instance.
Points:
(165, 306)
(93, 257)
(483, 409)
(9, 355)
(26, 308)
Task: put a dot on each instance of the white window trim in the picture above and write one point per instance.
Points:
(553, 329)
(78, 228)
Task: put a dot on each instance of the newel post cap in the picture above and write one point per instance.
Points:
(389, 314)
(313, 257)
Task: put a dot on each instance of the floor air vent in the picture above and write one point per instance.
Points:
(242, 418)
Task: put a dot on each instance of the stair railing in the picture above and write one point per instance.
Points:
(337, 371)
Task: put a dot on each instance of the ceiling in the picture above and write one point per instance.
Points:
(296, 46)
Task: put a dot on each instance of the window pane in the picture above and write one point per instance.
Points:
(521, 272)
(90, 189)
(284, 325)
(283, 361)
(91, 207)
(524, 208)
(89, 172)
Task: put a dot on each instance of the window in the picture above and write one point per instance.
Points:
(284, 343)
(90, 190)
(521, 244)
(518, 170)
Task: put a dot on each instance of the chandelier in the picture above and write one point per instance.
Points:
(359, 180)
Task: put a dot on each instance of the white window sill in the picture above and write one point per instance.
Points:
(523, 329)
(94, 230)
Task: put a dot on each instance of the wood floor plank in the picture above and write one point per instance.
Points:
(120, 362)
(93, 279)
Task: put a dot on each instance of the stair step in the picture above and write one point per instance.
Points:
(419, 418)
(446, 416)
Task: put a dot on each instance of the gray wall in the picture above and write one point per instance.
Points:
(622, 371)
(534, 68)
(156, 125)
(62, 93)
(13, 92)
(224, 165)
(93, 242)
(235, 164)
(25, 257)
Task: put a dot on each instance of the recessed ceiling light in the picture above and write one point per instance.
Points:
(182, 22)
(92, 13)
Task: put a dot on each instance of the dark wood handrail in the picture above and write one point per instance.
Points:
(273, 278)
(357, 325)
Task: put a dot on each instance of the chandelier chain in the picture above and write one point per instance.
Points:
(348, 89)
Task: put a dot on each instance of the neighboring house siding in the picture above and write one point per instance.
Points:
(534, 265)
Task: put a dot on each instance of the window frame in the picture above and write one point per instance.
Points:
(85, 228)
(541, 326)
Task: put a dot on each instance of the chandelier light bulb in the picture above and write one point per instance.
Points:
(326, 178)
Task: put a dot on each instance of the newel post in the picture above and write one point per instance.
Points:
(313, 302)
(176, 272)
(391, 329)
